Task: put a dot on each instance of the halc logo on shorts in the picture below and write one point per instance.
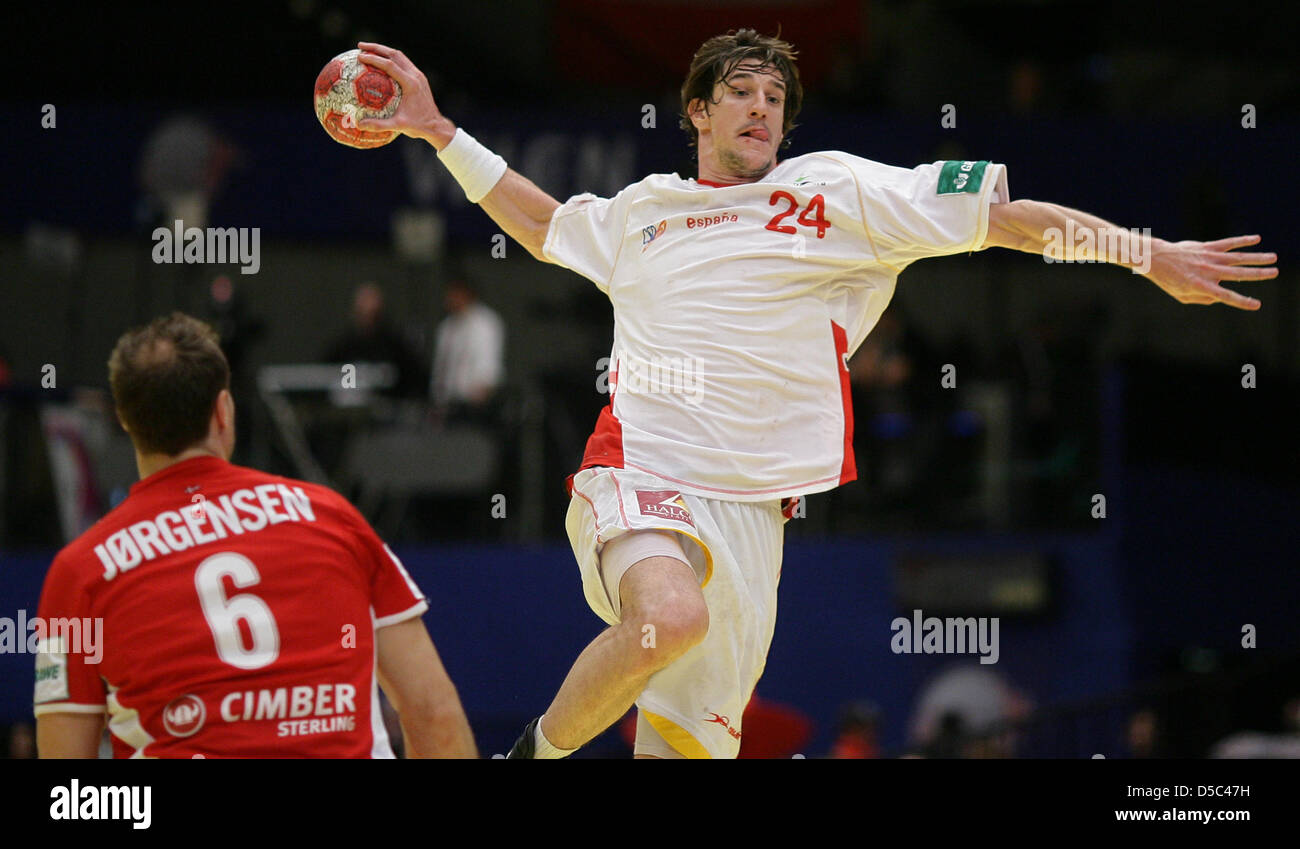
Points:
(664, 504)
(184, 716)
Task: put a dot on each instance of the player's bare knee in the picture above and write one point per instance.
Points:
(668, 627)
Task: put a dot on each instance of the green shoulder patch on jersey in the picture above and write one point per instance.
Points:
(957, 176)
(51, 673)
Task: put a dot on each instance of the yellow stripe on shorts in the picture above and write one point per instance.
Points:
(676, 736)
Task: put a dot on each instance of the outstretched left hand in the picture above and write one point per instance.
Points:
(1190, 272)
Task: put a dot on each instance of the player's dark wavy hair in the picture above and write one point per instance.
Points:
(165, 378)
(717, 59)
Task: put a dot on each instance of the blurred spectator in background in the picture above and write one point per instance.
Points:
(1025, 87)
(468, 358)
(370, 339)
(22, 741)
(883, 362)
(960, 710)
(857, 737)
(1144, 734)
(947, 740)
(1254, 745)
(898, 429)
(238, 330)
(237, 327)
(182, 167)
(1055, 378)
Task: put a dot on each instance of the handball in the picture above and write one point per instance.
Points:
(348, 91)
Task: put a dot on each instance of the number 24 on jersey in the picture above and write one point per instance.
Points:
(812, 215)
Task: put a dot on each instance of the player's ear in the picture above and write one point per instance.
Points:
(228, 404)
(224, 409)
(698, 111)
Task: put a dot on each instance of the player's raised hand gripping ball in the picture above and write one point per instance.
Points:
(348, 91)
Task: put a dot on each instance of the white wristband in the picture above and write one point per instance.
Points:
(476, 168)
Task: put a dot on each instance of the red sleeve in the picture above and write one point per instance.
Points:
(393, 595)
(69, 641)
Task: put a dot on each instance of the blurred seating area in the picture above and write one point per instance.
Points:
(999, 452)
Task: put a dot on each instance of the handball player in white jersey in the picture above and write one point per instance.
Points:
(739, 294)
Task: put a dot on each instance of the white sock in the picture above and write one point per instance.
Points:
(543, 749)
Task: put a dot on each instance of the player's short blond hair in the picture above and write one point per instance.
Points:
(718, 58)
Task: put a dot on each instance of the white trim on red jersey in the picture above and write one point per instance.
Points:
(67, 707)
(410, 613)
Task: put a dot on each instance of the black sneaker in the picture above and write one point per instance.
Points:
(526, 745)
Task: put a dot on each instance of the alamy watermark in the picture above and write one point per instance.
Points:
(34, 635)
(656, 375)
(200, 246)
(953, 635)
(1130, 248)
(129, 802)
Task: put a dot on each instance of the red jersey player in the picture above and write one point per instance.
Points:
(223, 612)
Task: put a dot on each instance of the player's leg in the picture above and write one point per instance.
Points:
(643, 583)
(664, 615)
(642, 576)
(694, 707)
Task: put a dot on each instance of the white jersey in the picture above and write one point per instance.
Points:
(736, 309)
(468, 355)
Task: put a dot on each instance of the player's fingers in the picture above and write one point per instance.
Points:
(378, 60)
(397, 57)
(374, 47)
(378, 124)
(1230, 273)
(1232, 242)
(400, 58)
(388, 66)
(1248, 259)
(1234, 299)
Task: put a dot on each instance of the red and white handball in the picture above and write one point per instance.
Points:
(348, 91)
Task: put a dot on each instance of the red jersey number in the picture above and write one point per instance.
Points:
(813, 215)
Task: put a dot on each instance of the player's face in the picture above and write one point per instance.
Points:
(740, 132)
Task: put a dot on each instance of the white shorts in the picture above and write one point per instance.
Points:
(693, 707)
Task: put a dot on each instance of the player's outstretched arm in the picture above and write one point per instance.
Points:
(513, 201)
(1190, 272)
(69, 735)
(412, 675)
